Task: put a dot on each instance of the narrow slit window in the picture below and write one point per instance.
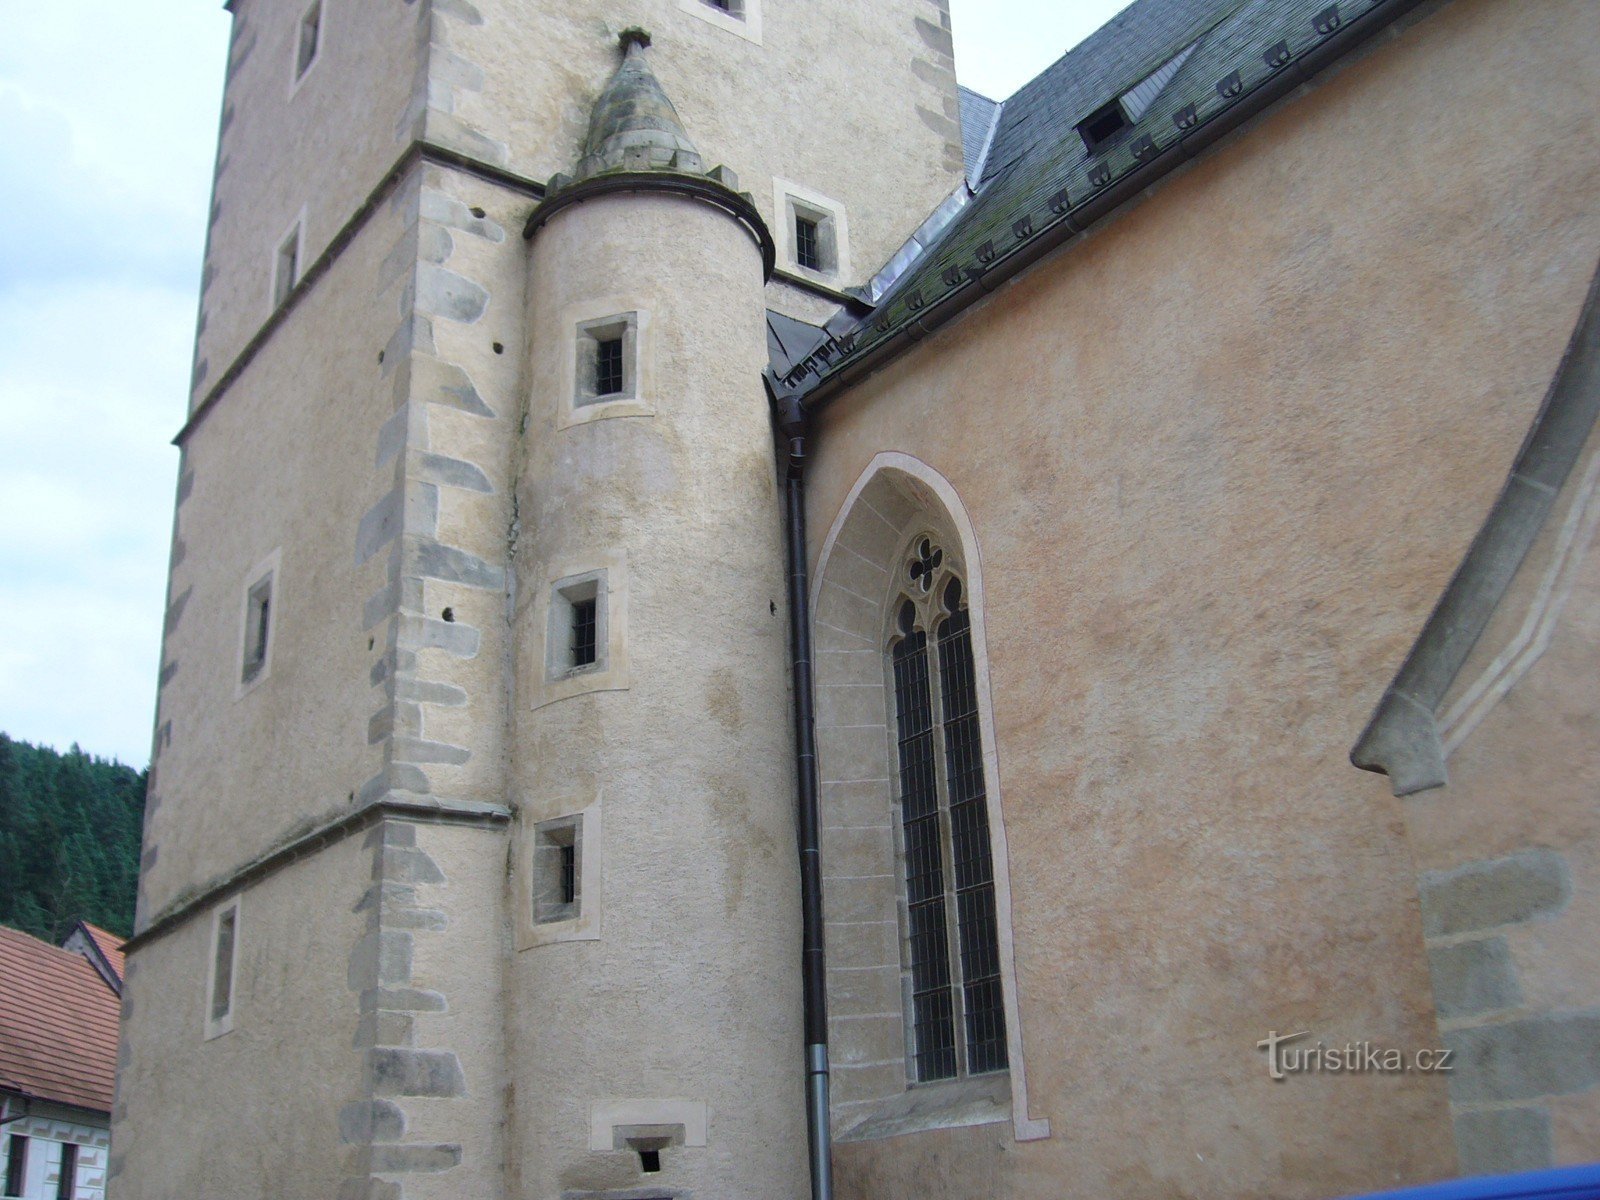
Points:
(734, 8)
(67, 1179)
(973, 859)
(584, 628)
(257, 629)
(310, 40)
(224, 947)
(558, 870)
(932, 1002)
(286, 271)
(608, 367)
(16, 1164)
(808, 243)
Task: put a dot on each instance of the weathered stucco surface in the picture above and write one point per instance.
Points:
(1221, 459)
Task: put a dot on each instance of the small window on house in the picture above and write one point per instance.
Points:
(286, 270)
(224, 966)
(16, 1164)
(557, 875)
(67, 1178)
(257, 628)
(1102, 125)
(815, 238)
(808, 243)
(578, 626)
(310, 40)
(734, 8)
(607, 365)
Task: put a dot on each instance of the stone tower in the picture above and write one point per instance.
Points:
(469, 864)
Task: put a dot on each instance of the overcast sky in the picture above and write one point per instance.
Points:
(108, 118)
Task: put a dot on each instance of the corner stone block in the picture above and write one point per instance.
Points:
(1473, 977)
(1555, 1055)
(1510, 1139)
(398, 1159)
(371, 1121)
(1485, 895)
(396, 1071)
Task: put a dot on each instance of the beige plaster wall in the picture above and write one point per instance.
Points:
(855, 101)
(284, 461)
(254, 1112)
(688, 988)
(322, 146)
(1221, 460)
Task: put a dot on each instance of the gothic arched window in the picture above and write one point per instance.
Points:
(951, 944)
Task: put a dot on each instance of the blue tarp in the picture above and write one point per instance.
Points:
(1563, 1183)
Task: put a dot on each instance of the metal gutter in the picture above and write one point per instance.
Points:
(791, 421)
(693, 187)
(1080, 217)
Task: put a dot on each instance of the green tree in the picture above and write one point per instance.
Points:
(69, 839)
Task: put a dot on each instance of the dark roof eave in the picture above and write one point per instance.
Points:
(823, 388)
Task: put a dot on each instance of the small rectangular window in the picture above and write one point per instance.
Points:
(607, 360)
(16, 1164)
(224, 970)
(286, 271)
(557, 872)
(807, 243)
(1102, 125)
(734, 8)
(608, 367)
(222, 966)
(583, 632)
(257, 628)
(310, 39)
(67, 1179)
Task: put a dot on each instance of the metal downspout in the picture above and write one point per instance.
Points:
(791, 421)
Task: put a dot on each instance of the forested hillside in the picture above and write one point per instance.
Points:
(69, 840)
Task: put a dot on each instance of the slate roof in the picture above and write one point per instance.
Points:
(1038, 173)
(58, 1024)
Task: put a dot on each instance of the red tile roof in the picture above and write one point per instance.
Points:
(58, 1024)
(109, 945)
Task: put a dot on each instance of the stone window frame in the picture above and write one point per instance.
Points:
(218, 1024)
(634, 320)
(745, 23)
(584, 923)
(265, 575)
(605, 577)
(791, 201)
(291, 241)
(861, 873)
(299, 73)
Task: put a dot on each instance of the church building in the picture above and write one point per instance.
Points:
(748, 623)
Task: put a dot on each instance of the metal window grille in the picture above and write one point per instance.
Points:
(808, 243)
(67, 1179)
(932, 997)
(222, 967)
(569, 874)
(608, 367)
(16, 1164)
(976, 930)
(583, 632)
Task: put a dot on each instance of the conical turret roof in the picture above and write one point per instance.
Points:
(634, 126)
